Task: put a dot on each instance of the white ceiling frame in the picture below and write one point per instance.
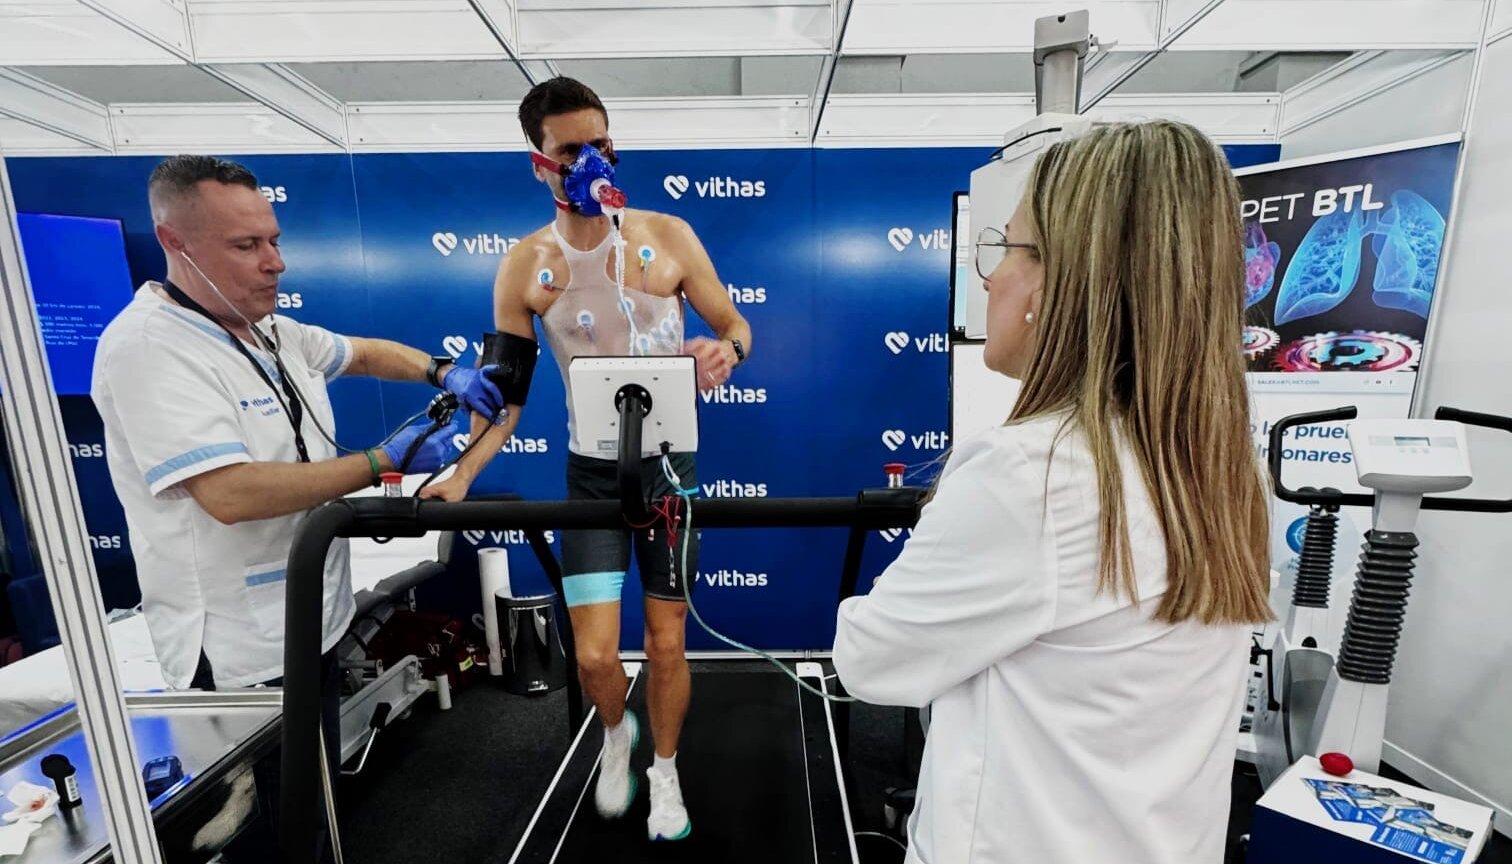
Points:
(1334, 25)
(976, 120)
(1356, 79)
(721, 122)
(504, 25)
(676, 28)
(210, 127)
(903, 27)
(826, 80)
(1106, 82)
(159, 22)
(288, 93)
(33, 101)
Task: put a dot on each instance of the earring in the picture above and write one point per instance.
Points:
(1028, 317)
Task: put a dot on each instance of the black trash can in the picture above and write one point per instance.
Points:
(534, 662)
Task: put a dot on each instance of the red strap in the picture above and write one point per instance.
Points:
(541, 161)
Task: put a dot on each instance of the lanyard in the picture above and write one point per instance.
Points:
(294, 408)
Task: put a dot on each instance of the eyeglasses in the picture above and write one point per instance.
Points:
(991, 248)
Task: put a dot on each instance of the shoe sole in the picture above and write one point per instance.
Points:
(681, 835)
(634, 780)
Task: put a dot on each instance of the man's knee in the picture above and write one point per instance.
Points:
(595, 661)
(665, 643)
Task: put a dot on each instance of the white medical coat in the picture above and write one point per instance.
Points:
(1067, 726)
(177, 399)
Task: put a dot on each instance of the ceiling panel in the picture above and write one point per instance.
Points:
(64, 32)
(675, 29)
(107, 84)
(658, 77)
(417, 81)
(987, 26)
(288, 31)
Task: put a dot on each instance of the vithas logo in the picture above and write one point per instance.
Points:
(678, 185)
(898, 341)
(515, 444)
(735, 579)
(901, 238)
(503, 538)
(896, 438)
(734, 489)
(891, 535)
(727, 395)
(446, 242)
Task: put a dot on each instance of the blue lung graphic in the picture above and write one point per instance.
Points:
(1260, 259)
(1324, 269)
(1407, 243)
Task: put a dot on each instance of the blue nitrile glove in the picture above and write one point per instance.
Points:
(436, 450)
(472, 387)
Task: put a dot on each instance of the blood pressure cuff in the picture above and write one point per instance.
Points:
(516, 358)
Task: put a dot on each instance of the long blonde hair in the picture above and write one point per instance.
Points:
(1138, 338)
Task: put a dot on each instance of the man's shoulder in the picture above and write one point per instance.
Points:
(665, 225)
(532, 249)
(134, 326)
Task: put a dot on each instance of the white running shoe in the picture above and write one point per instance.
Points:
(616, 782)
(669, 819)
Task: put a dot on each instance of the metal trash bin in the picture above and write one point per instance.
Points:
(534, 662)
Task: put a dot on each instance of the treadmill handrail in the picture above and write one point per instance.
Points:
(1308, 495)
(300, 809)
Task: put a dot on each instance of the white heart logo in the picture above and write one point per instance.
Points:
(474, 537)
(676, 186)
(894, 438)
(454, 345)
(900, 238)
(444, 241)
(891, 534)
(460, 440)
(896, 341)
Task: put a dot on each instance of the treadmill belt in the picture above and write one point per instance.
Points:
(758, 779)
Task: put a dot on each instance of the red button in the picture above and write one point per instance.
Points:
(1337, 764)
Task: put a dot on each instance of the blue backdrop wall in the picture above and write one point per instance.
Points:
(826, 252)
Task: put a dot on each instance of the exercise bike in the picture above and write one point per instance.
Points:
(1318, 698)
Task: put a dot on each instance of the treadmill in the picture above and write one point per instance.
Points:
(754, 743)
(761, 753)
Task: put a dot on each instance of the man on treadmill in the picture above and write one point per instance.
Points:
(565, 273)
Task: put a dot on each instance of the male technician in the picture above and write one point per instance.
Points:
(565, 274)
(218, 427)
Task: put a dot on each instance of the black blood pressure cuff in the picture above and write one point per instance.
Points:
(516, 358)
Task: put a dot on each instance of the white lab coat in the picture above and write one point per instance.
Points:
(1067, 726)
(177, 399)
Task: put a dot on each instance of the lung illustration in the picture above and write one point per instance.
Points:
(1407, 242)
(1324, 269)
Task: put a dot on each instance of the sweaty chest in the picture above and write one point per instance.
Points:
(649, 269)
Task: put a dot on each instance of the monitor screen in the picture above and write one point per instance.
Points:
(961, 266)
(80, 280)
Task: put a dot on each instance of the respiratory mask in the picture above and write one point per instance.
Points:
(588, 182)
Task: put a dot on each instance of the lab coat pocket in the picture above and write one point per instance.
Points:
(264, 592)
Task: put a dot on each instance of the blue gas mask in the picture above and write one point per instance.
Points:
(588, 182)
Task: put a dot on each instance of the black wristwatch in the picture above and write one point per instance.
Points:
(739, 351)
(431, 371)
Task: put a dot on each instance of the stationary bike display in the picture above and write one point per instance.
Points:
(1325, 700)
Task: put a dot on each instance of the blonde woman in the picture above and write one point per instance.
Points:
(1075, 602)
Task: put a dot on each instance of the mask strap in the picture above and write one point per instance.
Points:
(542, 161)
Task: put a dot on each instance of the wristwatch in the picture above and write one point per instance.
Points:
(432, 371)
(739, 351)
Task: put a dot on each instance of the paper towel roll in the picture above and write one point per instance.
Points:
(493, 572)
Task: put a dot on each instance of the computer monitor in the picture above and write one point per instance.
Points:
(962, 267)
(673, 418)
(80, 281)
